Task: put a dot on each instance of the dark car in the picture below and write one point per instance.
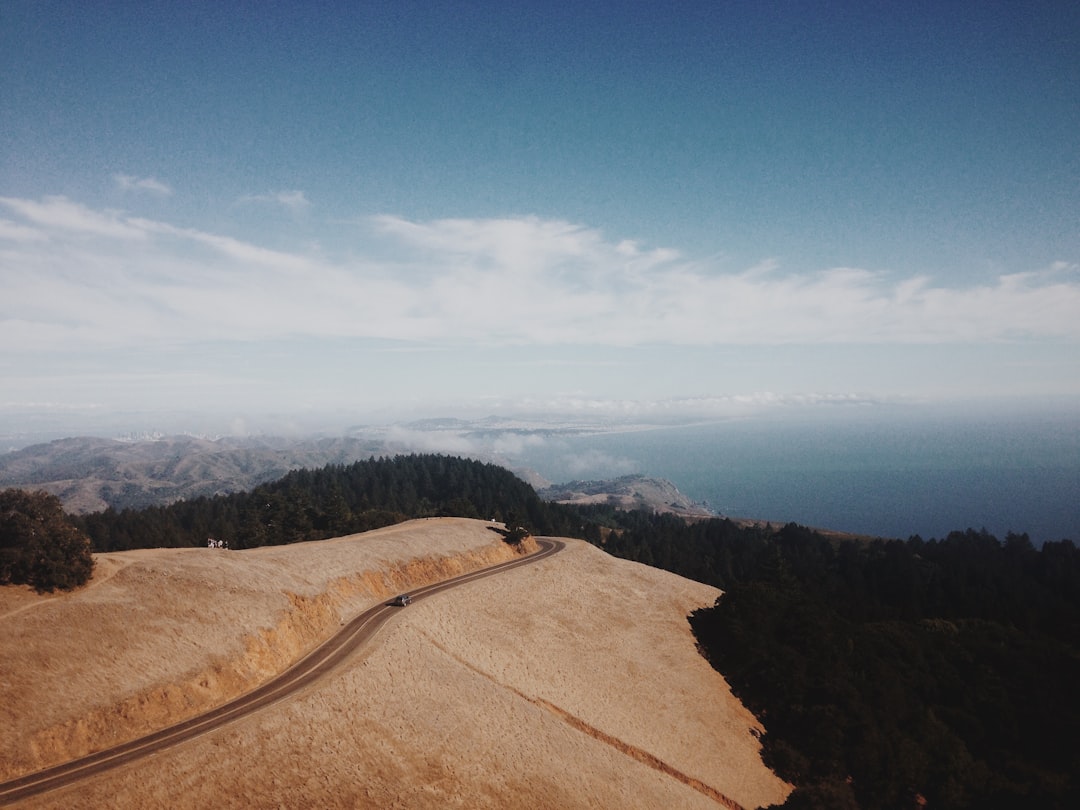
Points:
(403, 600)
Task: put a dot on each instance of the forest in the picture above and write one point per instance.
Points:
(330, 502)
(888, 673)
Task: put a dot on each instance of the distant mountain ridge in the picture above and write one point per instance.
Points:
(89, 474)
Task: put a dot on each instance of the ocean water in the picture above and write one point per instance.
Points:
(877, 471)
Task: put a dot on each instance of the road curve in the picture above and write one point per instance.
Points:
(303, 673)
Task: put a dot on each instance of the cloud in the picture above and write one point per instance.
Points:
(73, 275)
(405, 439)
(243, 253)
(127, 182)
(617, 412)
(295, 201)
(597, 463)
(59, 215)
(14, 232)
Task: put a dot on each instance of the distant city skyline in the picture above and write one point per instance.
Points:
(596, 208)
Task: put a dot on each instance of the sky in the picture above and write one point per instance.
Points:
(389, 209)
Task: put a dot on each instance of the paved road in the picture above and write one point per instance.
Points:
(303, 673)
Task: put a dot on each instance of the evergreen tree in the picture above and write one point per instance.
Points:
(38, 545)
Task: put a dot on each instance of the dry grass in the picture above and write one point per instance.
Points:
(570, 683)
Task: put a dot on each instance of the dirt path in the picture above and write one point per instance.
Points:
(16, 599)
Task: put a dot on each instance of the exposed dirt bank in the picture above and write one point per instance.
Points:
(161, 635)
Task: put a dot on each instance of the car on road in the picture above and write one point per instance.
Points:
(402, 600)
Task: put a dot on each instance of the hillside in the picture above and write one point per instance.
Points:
(627, 492)
(571, 682)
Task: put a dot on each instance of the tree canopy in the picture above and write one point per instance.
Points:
(333, 501)
(39, 546)
(890, 673)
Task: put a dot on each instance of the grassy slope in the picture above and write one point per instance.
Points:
(570, 683)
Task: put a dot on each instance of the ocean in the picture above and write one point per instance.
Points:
(889, 472)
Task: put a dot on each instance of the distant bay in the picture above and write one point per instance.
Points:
(890, 472)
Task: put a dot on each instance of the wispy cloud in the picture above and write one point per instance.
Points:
(614, 412)
(59, 216)
(69, 272)
(14, 232)
(128, 182)
(295, 201)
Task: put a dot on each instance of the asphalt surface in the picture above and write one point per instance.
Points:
(303, 673)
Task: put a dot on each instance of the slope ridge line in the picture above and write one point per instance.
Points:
(575, 722)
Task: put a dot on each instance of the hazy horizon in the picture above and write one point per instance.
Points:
(874, 468)
(22, 426)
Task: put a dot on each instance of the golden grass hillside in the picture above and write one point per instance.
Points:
(573, 682)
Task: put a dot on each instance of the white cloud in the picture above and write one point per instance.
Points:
(399, 437)
(244, 253)
(295, 201)
(14, 232)
(127, 182)
(597, 463)
(71, 273)
(60, 215)
(661, 411)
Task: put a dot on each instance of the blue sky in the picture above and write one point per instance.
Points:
(397, 208)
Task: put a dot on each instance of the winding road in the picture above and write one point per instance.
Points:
(317, 664)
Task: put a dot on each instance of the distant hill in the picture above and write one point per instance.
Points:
(628, 492)
(90, 474)
(659, 495)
